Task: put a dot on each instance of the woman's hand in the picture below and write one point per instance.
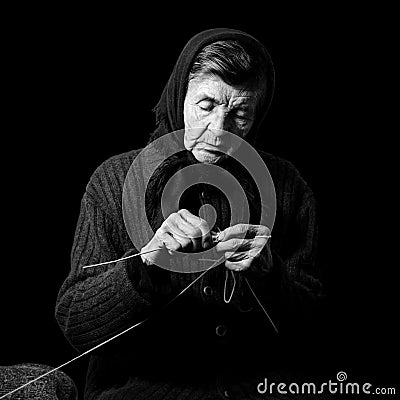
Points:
(242, 245)
(181, 231)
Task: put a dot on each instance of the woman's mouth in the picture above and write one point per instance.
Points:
(211, 150)
(208, 153)
(214, 151)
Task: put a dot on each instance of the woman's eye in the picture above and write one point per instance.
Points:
(206, 105)
(241, 116)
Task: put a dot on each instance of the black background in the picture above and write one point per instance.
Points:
(82, 84)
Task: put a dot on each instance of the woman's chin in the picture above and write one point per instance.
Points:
(207, 156)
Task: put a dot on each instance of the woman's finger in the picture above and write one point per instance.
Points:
(238, 265)
(198, 223)
(176, 220)
(234, 245)
(183, 232)
(235, 231)
(244, 231)
(169, 241)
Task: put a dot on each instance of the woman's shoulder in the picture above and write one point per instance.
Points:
(118, 164)
(278, 165)
(107, 181)
(285, 175)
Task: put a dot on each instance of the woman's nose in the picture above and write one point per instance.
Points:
(219, 121)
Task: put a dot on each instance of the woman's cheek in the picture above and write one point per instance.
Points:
(198, 117)
(195, 126)
(193, 117)
(242, 128)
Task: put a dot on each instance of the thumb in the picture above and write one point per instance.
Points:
(220, 236)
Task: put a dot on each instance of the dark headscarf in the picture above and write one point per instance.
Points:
(169, 109)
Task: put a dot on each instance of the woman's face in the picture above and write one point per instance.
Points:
(211, 108)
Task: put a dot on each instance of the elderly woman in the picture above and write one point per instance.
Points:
(214, 340)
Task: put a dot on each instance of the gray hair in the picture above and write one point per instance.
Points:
(234, 64)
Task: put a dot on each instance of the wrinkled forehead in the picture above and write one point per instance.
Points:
(214, 88)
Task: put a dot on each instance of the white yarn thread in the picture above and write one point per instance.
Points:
(233, 288)
(120, 259)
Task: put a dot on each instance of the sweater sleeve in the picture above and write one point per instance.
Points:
(300, 270)
(287, 276)
(96, 303)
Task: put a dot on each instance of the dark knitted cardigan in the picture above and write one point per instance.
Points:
(95, 304)
(198, 347)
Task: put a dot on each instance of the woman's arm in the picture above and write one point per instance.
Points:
(287, 275)
(96, 303)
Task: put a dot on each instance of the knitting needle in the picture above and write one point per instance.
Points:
(262, 307)
(213, 235)
(121, 259)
